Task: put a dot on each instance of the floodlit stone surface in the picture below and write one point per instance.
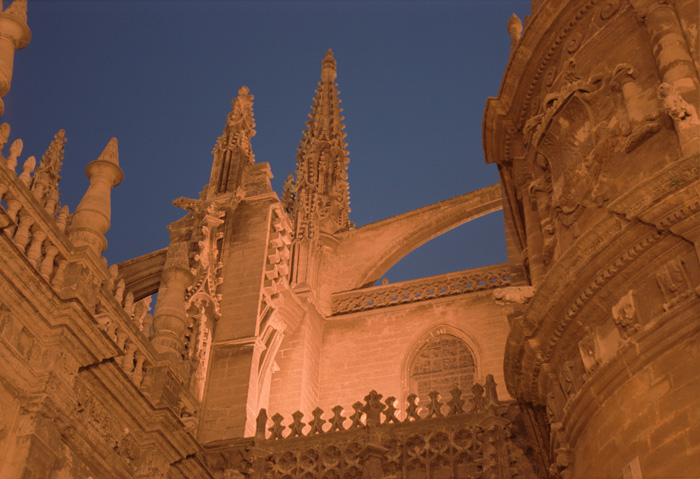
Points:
(271, 353)
(596, 128)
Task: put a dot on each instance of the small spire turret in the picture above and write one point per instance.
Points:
(92, 217)
(233, 150)
(320, 192)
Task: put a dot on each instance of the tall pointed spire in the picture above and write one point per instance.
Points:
(233, 150)
(320, 192)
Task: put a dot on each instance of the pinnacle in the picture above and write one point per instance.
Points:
(110, 153)
(242, 113)
(328, 73)
(18, 9)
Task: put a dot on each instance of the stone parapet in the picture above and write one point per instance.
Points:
(423, 289)
(82, 380)
(455, 438)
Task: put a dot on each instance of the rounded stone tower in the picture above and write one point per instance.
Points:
(596, 135)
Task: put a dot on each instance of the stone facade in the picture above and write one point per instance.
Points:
(597, 139)
(577, 358)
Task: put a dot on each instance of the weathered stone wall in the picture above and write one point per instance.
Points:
(596, 135)
(374, 348)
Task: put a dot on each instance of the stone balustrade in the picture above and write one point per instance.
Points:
(476, 436)
(461, 282)
(31, 218)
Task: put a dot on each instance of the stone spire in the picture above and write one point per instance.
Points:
(91, 219)
(233, 150)
(46, 177)
(14, 35)
(319, 196)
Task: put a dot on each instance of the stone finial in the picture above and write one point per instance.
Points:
(317, 422)
(515, 28)
(18, 10)
(328, 73)
(15, 150)
(491, 393)
(434, 406)
(91, 219)
(277, 426)
(356, 417)
(337, 420)
(412, 408)
(373, 408)
(478, 398)
(47, 175)
(390, 411)
(260, 424)
(4, 135)
(297, 425)
(456, 403)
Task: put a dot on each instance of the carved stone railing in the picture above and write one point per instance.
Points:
(476, 437)
(461, 282)
(31, 219)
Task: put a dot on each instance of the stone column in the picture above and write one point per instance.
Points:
(680, 90)
(14, 35)
(170, 320)
(91, 219)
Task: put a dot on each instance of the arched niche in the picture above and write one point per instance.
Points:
(441, 359)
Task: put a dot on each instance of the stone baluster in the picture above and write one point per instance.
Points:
(60, 273)
(62, 218)
(119, 291)
(46, 266)
(15, 150)
(27, 170)
(91, 219)
(21, 236)
(51, 202)
(4, 135)
(129, 304)
(128, 358)
(139, 359)
(110, 282)
(121, 338)
(34, 251)
(14, 206)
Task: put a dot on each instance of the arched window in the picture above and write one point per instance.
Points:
(443, 363)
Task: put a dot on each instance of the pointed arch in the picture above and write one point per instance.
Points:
(436, 333)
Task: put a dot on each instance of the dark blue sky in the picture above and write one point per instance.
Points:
(160, 75)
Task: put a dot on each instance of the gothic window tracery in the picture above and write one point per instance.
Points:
(444, 362)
